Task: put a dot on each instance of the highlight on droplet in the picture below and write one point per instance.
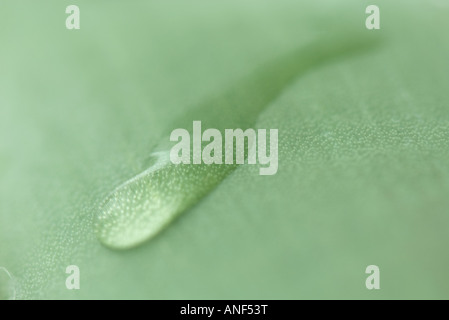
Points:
(7, 285)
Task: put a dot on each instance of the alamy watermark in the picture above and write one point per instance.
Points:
(72, 282)
(373, 280)
(238, 146)
(372, 22)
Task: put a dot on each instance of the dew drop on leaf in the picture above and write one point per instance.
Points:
(141, 207)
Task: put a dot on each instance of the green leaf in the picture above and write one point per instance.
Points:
(363, 148)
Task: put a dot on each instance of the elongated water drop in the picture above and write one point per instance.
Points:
(141, 207)
(7, 285)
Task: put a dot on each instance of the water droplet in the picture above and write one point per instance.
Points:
(141, 207)
(7, 285)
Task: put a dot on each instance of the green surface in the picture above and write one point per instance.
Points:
(363, 149)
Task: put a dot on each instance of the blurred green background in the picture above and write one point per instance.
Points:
(363, 149)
